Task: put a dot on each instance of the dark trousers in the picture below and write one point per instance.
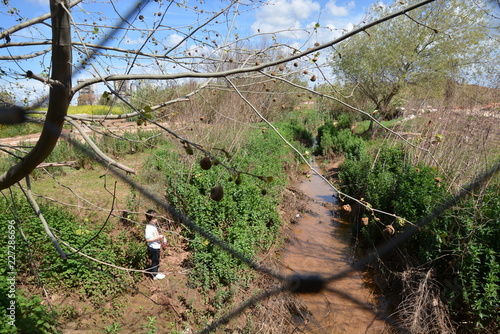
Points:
(154, 255)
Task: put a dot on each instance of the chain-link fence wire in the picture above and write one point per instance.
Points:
(297, 283)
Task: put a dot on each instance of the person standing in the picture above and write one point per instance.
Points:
(154, 239)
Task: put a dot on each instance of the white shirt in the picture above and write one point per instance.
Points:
(152, 232)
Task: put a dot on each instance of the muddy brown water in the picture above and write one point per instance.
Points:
(320, 245)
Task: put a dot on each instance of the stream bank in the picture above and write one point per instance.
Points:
(319, 244)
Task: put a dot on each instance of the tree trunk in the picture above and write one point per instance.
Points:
(59, 96)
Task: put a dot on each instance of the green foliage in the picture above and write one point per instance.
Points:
(7, 131)
(474, 237)
(244, 218)
(76, 275)
(338, 139)
(403, 51)
(130, 143)
(31, 316)
(462, 245)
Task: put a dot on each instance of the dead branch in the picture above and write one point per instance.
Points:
(98, 151)
(58, 164)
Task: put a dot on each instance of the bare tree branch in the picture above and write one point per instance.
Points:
(38, 212)
(98, 151)
(27, 56)
(59, 97)
(29, 23)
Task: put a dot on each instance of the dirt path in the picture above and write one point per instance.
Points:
(320, 246)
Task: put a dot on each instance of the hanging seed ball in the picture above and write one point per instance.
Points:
(296, 64)
(438, 179)
(216, 193)
(313, 78)
(273, 74)
(315, 60)
(346, 208)
(257, 63)
(281, 68)
(310, 96)
(316, 44)
(205, 163)
(306, 72)
(274, 99)
(231, 60)
(388, 231)
(238, 180)
(364, 220)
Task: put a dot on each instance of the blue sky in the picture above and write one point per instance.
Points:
(288, 16)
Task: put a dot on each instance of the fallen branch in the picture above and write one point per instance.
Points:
(58, 164)
(96, 149)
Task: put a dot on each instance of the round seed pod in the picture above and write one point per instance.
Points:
(205, 163)
(346, 208)
(216, 193)
(388, 231)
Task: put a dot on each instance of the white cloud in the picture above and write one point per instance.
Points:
(282, 15)
(132, 41)
(173, 40)
(335, 10)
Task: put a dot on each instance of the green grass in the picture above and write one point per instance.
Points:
(7, 131)
(362, 126)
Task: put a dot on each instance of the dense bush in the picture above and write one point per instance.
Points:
(246, 218)
(461, 246)
(338, 139)
(37, 261)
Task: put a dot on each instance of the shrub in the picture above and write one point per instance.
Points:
(461, 246)
(244, 218)
(92, 280)
(338, 139)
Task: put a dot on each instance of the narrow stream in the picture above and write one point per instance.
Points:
(320, 245)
